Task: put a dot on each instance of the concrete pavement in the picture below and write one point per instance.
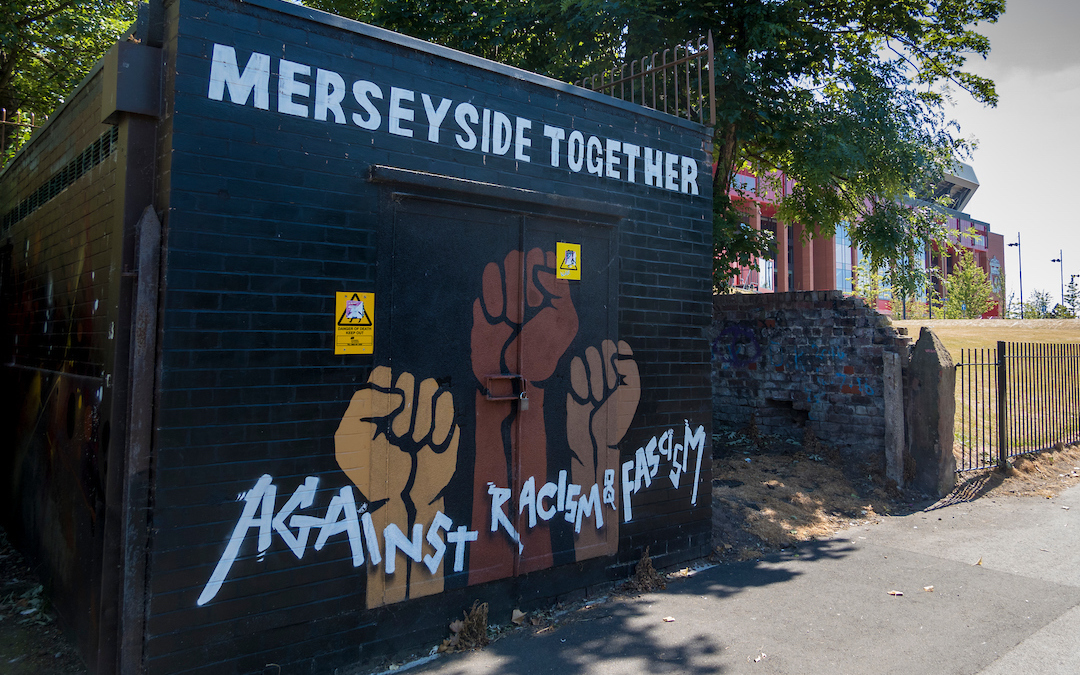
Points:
(826, 608)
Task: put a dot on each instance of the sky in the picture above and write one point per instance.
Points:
(1028, 156)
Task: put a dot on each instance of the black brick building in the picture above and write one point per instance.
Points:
(314, 333)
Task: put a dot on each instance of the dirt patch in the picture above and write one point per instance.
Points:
(30, 642)
(771, 493)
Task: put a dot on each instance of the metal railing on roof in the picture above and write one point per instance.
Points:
(9, 126)
(679, 81)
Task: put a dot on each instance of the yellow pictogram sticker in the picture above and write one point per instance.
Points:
(354, 332)
(568, 257)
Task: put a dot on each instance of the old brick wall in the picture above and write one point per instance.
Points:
(60, 258)
(804, 360)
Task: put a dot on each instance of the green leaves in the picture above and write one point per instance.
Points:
(968, 292)
(844, 97)
(48, 46)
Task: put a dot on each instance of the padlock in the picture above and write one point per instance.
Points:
(523, 401)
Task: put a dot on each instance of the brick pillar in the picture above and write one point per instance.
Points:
(781, 258)
(803, 262)
(824, 263)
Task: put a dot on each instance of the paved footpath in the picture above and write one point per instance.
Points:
(827, 609)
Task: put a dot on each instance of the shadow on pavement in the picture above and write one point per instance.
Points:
(628, 634)
(970, 490)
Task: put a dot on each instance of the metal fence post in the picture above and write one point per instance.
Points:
(1002, 378)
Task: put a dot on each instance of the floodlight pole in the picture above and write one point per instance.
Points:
(1060, 262)
(1020, 268)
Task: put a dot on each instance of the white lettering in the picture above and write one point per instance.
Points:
(627, 490)
(395, 540)
(521, 125)
(289, 87)
(575, 151)
(572, 491)
(546, 492)
(556, 135)
(671, 172)
(645, 465)
(363, 91)
(435, 116)
(485, 132)
(528, 499)
(594, 153)
(611, 159)
(653, 161)
(329, 92)
(689, 176)
(458, 539)
(465, 114)
(502, 133)
(262, 494)
(695, 440)
(632, 153)
(341, 517)
(256, 77)
(589, 504)
(302, 498)
(397, 114)
(609, 487)
(500, 496)
(440, 522)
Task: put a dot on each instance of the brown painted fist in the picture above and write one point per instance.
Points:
(547, 328)
(606, 389)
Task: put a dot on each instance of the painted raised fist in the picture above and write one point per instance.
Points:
(398, 443)
(542, 318)
(605, 392)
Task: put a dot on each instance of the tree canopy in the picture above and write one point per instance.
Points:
(844, 97)
(48, 46)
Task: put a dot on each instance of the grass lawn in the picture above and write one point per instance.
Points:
(1042, 404)
(960, 334)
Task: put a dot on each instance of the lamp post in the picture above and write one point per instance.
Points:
(1062, 264)
(1020, 268)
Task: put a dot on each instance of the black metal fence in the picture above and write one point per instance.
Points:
(1016, 399)
(679, 80)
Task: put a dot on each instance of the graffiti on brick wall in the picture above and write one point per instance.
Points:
(537, 489)
(738, 346)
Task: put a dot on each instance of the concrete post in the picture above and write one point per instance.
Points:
(893, 386)
(929, 407)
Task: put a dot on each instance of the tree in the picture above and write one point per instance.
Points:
(844, 97)
(1072, 298)
(1038, 307)
(968, 291)
(48, 46)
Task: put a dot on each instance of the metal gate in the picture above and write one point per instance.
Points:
(1015, 399)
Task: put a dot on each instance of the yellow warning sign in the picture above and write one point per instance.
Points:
(569, 259)
(354, 332)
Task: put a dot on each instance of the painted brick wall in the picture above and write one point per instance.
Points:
(59, 322)
(810, 359)
(269, 215)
